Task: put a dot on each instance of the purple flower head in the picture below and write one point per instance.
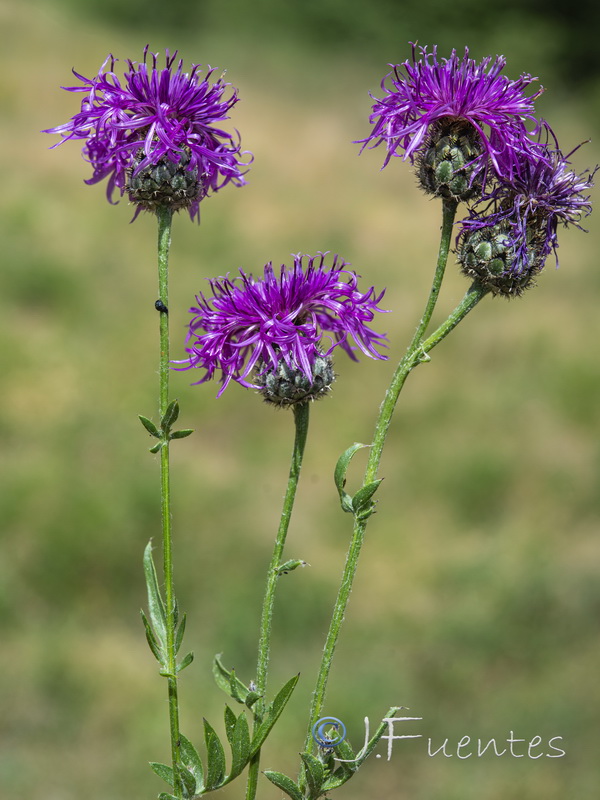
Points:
(261, 322)
(527, 209)
(157, 118)
(426, 91)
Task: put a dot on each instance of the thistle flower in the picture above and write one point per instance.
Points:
(275, 324)
(507, 243)
(429, 98)
(156, 136)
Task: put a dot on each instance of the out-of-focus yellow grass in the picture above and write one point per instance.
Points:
(478, 593)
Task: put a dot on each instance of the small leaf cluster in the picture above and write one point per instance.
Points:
(361, 504)
(164, 434)
(195, 778)
(324, 772)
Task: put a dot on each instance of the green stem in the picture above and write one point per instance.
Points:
(165, 217)
(301, 416)
(416, 353)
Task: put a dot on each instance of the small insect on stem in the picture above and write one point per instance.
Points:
(160, 306)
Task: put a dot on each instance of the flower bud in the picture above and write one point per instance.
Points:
(166, 183)
(449, 165)
(287, 385)
(490, 255)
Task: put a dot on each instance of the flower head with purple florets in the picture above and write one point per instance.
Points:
(157, 134)
(274, 326)
(429, 97)
(505, 242)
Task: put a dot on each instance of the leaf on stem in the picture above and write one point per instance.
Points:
(361, 502)
(314, 774)
(191, 761)
(339, 475)
(150, 426)
(179, 633)
(170, 416)
(238, 735)
(153, 642)
(272, 714)
(290, 566)
(215, 767)
(156, 606)
(284, 783)
(185, 662)
(163, 771)
(181, 434)
(229, 683)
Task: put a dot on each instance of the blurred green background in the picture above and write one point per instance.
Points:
(478, 596)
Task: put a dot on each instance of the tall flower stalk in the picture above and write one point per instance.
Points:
(416, 353)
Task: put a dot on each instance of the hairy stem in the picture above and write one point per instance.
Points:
(301, 416)
(416, 353)
(165, 217)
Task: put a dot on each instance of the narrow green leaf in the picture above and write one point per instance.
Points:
(185, 662)
(290, 566)
(183, 434)
(179, 634)
(251, 698)
(153, 643)
(228, 682)
(215, 769)
(157, 447)
(344, 751)
(313, 771)
(189, 782)
(362, 499)
(339, 475)
(156, 606)
(240, 746)
(346, 769)
(284, 783)
(150, 426)
(165, 796)
(192, 761)
(230, 720)
(170, 416)
(163, 771)
(272, 714)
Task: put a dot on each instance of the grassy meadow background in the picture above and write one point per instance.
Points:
(478, 596)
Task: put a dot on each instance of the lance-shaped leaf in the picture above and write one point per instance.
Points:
(170, 416)
(347, 766)
(215, 765)
(339, 475)
(313, 773)
(185, 662)
(238, 735)
(179, 633)
(192, 761)
(182, 434)
(153, 642)
(290, 566)
(150, 426)
(228, 682)
(284, 783)
(272, 714)
(156, 606)
(361, 502)
(188, 781)
(163, 771)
